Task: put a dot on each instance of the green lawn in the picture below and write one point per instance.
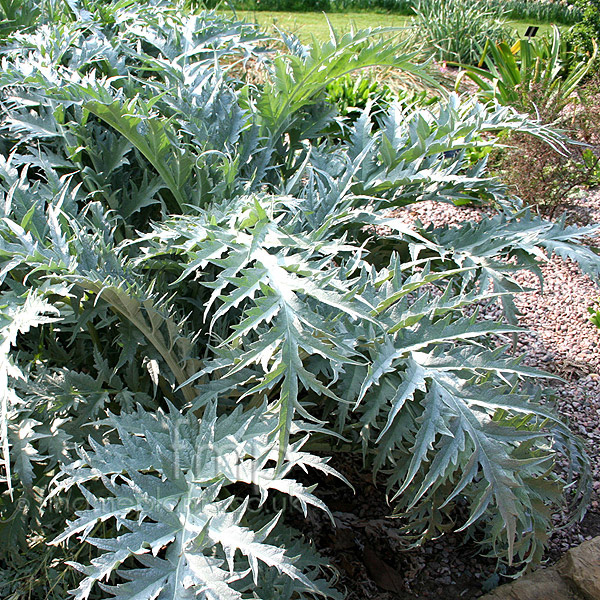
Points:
(521, 27)
(304, 25)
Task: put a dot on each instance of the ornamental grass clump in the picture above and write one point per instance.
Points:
(195, 297)
(458, 30)
(544, 78)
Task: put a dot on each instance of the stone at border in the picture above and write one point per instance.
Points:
(575, 577)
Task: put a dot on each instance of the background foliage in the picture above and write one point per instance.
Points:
(542, 11)
(587, 29)
(547, 79)
(458, 31)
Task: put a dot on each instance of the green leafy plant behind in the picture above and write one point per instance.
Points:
(351, 96)
(531, 76)
(540, 11)
(16, 16)
(197, 295)
(583, 36)
(538, 77)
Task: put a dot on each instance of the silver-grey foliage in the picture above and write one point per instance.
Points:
(195, 295)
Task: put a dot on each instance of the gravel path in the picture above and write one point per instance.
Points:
(365, 548)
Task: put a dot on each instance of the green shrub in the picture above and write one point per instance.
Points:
(17, 15)
(546, 11)
(522, 10)
(196, 295)
(352, 96)
(586, 32)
